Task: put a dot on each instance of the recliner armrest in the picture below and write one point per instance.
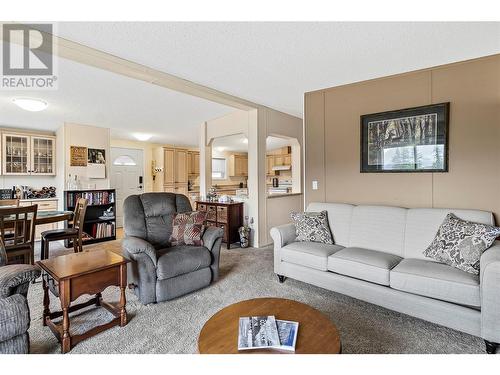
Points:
(284, 234)
(15, 275)
(14, 316)
(489, 259)
(136, 245)
(211, 235)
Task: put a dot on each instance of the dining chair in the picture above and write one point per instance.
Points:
(74, 232)
(17, 230)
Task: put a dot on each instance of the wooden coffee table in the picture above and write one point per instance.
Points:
(317, 334)
(73, 275)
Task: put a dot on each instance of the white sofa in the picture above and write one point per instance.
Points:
(378, 258)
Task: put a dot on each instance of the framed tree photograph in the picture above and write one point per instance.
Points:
(406, 140)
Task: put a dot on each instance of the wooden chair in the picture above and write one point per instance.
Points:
(17, 230)
(74, 232)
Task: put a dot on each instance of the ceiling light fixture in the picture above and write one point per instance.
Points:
(142, 136)
(30, 104)
(245, 140)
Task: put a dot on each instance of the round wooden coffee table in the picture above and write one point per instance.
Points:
(317, 334)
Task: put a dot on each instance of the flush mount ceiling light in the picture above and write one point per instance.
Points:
(245, 140)
(142, 136)
(30, 104)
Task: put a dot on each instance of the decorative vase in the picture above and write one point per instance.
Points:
(244, 236)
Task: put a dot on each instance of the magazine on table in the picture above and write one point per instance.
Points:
(287, 332)
(258, 332)
(266, 332)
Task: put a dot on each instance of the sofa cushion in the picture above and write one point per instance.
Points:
(379, 228)
(460, 243)
(312, 227)
(422, 225)
(364, 264)
(182, 259)
(436, 280)
(309, 254)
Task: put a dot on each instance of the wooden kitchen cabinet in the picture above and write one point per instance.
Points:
(181, 166)
(24, 154)
(193, 163)
(287, 160)
(238, 165)
(269, 165)
(168, 166)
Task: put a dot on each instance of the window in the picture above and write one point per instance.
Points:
(124, 160)
(218, 168)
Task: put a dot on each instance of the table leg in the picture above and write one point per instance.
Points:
(46, 301)
(64, 296)
(123, 300)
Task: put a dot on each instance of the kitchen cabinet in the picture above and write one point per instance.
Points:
(238, 166)
(181, 166)
(24, 154)
(168, 166)
(269, 165)
(175, 170)
(287, 160)
(193, 163)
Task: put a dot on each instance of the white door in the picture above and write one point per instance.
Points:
(127, 176)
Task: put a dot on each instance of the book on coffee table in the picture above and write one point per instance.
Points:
(267, 332)
(287, 332)
(258, 332)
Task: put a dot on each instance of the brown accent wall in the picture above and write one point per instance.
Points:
(332, 141)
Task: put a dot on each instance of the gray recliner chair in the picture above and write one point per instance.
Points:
(158, 271)
(14, 311)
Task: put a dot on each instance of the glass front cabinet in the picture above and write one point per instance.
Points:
(28, 154)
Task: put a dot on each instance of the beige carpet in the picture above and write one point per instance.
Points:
(173, 327)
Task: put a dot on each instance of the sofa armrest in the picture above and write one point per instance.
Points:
(13, 278)
(14, 316)
(210, 237)
(489, 279)
(136, 245)
(283, 234)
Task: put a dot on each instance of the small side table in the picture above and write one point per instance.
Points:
(70, 276)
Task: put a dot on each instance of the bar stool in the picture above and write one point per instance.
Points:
(72, 233)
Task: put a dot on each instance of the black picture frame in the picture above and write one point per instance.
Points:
(411, 140)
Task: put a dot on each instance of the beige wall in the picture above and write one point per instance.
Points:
(332, 129)
(148, 149)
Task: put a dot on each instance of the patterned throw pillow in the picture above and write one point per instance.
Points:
(312, 227)
(187, 228)
(459, 243)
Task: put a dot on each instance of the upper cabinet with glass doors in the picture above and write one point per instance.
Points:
(28, 154)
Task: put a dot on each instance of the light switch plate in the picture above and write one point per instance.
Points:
(315, 185)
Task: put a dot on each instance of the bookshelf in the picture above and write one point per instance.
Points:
(95, 227)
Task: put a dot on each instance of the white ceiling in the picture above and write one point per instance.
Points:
(91, 96)
(275, 63)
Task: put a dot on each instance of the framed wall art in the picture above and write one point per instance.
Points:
(406, 140)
